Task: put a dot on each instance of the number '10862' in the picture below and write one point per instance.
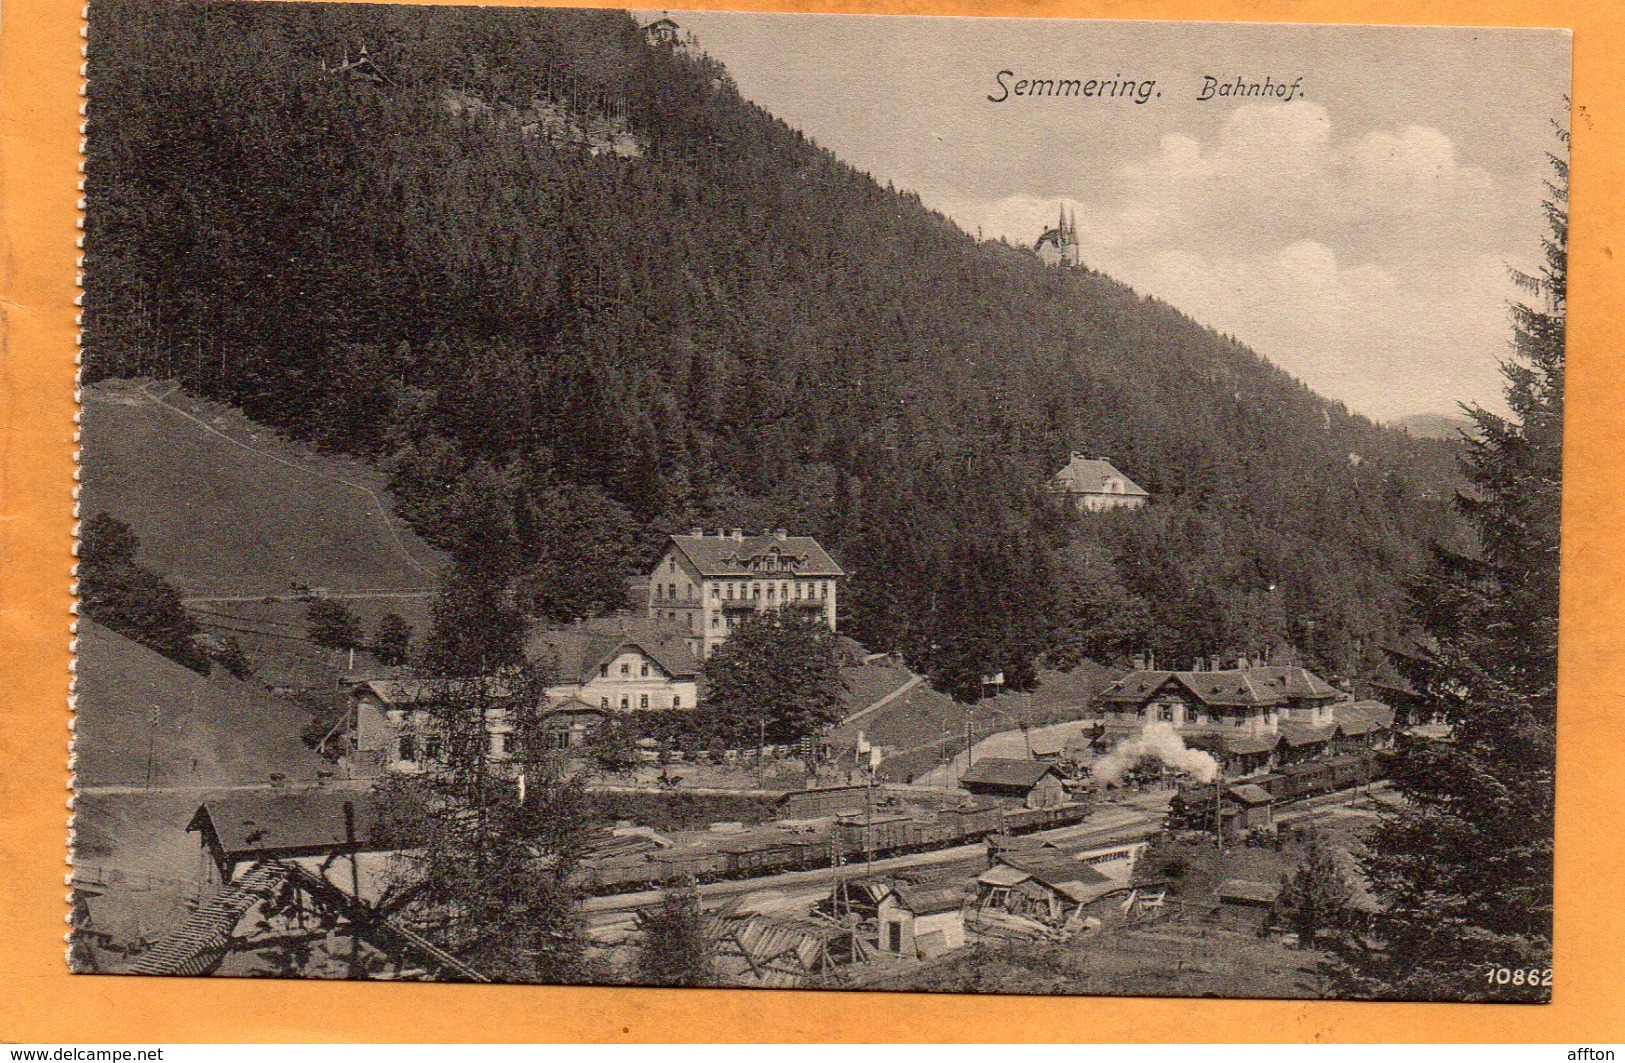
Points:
(1531, 976)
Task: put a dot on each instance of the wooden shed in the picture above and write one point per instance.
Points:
(1033, 783)
(922, 922)
(1248, 905)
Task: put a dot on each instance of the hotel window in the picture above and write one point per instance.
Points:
(671, 591)
(643, 670)
(603, 671)
(714, 623)
(716, 592)
(798, 592)
(408, 747)
(658, 595)
(1165, 713)
(756, 591)
(626, 703)
(676, 701)
(626, 670)
(431, 747)
(603, 703)
(643, 702)
(784, 591)
(823, 590)
(730, 592)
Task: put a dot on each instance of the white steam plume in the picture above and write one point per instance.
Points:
(1155, 739)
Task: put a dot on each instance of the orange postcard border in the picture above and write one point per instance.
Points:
(40, 42)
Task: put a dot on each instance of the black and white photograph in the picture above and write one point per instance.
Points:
(720, 499)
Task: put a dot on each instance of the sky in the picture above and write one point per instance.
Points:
(1358, 230)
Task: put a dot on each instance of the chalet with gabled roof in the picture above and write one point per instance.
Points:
(618, 664)
(1091, 485)
(706, 584)
(1252, 717)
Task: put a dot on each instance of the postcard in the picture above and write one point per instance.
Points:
(687, 498)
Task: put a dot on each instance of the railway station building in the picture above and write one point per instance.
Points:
(1253, 717)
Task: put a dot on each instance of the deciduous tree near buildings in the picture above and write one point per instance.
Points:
(332, 624)
(777, 675)
(135, 601)
(392, 639)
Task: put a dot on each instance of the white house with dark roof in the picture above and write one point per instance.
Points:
(708, 583)
(618, 664)
(1095, 484)
(598, 667)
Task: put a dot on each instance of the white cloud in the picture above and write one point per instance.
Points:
(1371, 266)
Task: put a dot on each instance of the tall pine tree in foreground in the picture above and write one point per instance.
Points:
(1464, 868)
(495, 826)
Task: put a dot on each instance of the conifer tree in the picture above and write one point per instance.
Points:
(498, 828)
(675, 949)
(1464, 868)
(1315, 895)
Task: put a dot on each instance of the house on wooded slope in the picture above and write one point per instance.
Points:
(1092, 485)
(1059, 246)
(662, 31)
(708, 583)
(618, 664)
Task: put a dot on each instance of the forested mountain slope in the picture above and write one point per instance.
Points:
(560, 355)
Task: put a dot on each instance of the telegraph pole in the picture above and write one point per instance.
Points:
(152, 741)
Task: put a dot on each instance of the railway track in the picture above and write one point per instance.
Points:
(1112, 826)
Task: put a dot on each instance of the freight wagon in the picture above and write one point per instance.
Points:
(851, 837)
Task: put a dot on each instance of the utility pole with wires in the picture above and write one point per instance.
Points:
(152, 741)
(761, 754)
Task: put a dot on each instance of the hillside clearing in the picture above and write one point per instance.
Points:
(201, 731)
(224, 506)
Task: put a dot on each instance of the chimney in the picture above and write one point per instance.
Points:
(780, 534)
(1139, 662)
(722, 533)
(1218, 665)
(736, 534)
(1241, 662)
(698, 533)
